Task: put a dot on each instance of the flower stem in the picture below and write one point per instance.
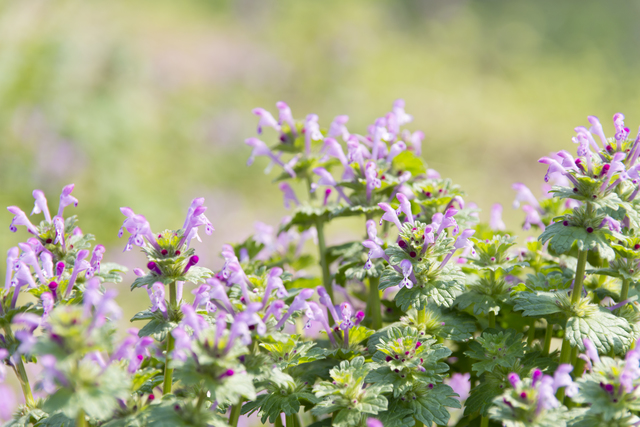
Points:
(21, 373)
(168, 372)
(484, 421)
(418, 424)
(81, 420)
(322, 249)
(624, 293)
(236, 410)
(373, 304)
(278, 422)
(547, 339)
(576, 293)
(531, 333)
(492, 320)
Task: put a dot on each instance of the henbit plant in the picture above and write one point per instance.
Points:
(430, 312)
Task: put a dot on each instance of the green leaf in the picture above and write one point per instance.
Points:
(157, 328)
(606, 331)
(481, 397)
(408, 161)
(563, 237)
(537, 304)
(494, 348)
(430, 405)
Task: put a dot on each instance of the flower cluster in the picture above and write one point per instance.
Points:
(434, 316)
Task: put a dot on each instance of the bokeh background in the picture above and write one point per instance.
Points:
(146, 103)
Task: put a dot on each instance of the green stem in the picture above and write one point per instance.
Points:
(484, 421)
(322, 249)
(291, 420)
(418, 424)
(81, 420)
(531, 333)
(236, 410)
(278, 422)
(547, 339)
(624, 293)
(373, 304)
(168, 372)
(21, 373)
(576, 293)
(492, 319)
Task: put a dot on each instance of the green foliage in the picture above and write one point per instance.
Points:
(494, 349)
(346, 396)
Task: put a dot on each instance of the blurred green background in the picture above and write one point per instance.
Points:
(146, 103)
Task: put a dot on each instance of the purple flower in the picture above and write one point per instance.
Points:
(20, 218)
(461, 242)
(67, 199)
(514, 379)
(333, 149)
(612, 224)
(532, 218)
(380, 134)
(405, 207)
(401, 116)
(325, 300)
(524, 195)
(193, 260)
(371, 176)
(338, 128)
(461, 384)
(182, 344)
(319, 316)
(195, 218)
(193, 320)
(58, 224)
(139, 228)
(219, 293)
(96, 258)
(561, 378)
(252, 319)
(596, 128)
(616, 165)
(546, 393)
(407, 272)
(285, 116)
(275, 310)
(201, 295)
(289, 195)
(79, 266)
(299, 303)
(41, 205)
(372, 232)
(375, 251)
(356, 152)
(390, 215)
(274, 282)
(327, 179)
(12, 257)
(631, 370)
(496, 222)
(8, 402)
(372, 422)
(103, 304)
(47, 304)
(395, 149)
(266, 119)
(47, 263)
(156, 295)
(311, 131)
(261, 149)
